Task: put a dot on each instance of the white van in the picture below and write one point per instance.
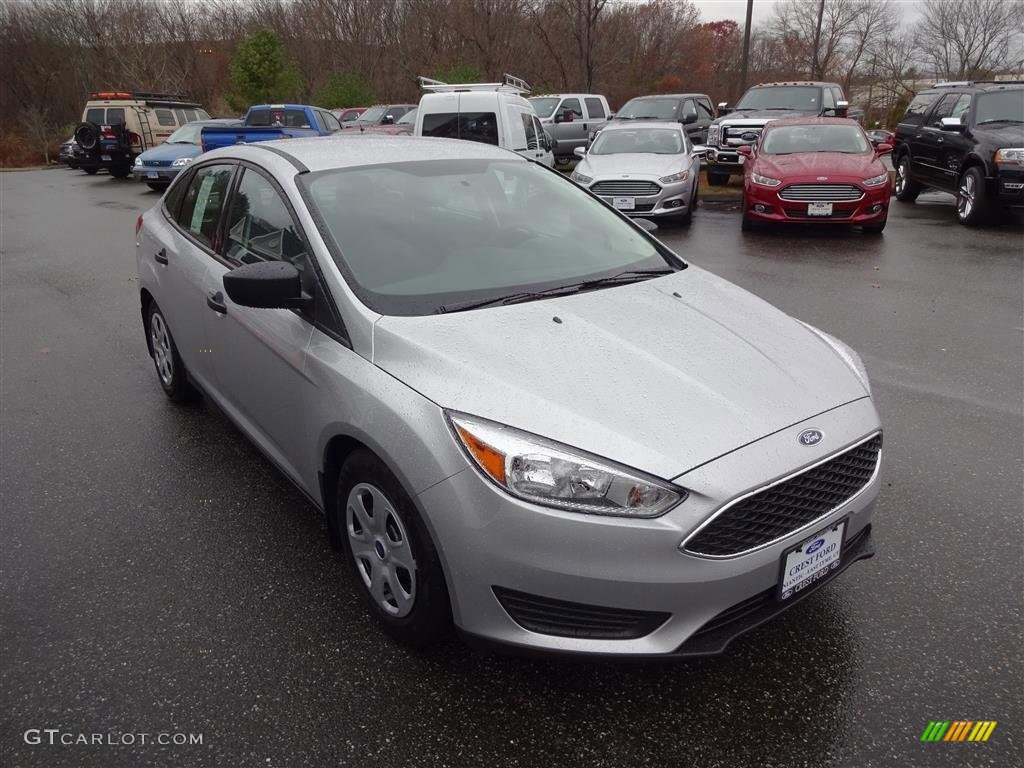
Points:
(492, 113)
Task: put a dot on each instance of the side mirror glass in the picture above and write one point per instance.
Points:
(580, 152)
(688, 118)
(883, 148)
(746, 150)
(723, 108)
(387, 120)
(266, 285)
(951, 124)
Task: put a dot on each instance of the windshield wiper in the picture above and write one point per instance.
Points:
(629, 276)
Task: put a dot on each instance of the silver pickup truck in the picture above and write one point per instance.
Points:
(570, 118)
(756, 108)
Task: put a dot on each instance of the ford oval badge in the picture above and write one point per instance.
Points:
(810, 437)
(749, 136)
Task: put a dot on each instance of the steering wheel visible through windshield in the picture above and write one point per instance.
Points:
(421, 237)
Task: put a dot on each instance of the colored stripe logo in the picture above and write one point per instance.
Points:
(958, 730)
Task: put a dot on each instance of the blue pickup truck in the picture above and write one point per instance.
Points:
(265, 122)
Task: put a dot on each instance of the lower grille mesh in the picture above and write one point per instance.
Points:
(564, 619)
(782, 509)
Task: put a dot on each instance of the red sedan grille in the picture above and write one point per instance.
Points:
(821, 193)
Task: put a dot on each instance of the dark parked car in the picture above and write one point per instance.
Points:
(348, 114)
(693, 110)
(966, 138)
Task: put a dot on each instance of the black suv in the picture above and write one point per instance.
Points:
(755, 109)
(965, 138)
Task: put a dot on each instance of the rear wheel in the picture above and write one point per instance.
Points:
(718, 179)
(972, 204)
(390, 552)
(907, 189)
(170, 371)
(91, 171)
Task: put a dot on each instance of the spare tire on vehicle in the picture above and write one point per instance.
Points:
(88, 136)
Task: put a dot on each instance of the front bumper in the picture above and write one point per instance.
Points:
(1009, 187)
(721, 160)
(673, 200)
(764, 204)
(149, 175)
(488, 540)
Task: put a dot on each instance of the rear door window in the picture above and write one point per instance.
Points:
(190, 115)
(918, 107)
(472, 126)
(180, 115)
(165, 117)
(595, 108)
(201, 205)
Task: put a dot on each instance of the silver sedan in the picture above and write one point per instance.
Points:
(523, 417)
(646, 169)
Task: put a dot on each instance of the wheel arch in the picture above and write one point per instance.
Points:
(974, 160)
(146, 300)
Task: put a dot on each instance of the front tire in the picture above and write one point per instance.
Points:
(907, 189)
(170, 371)
(972, 203)
(120, 171)
(91, 171)
(390, 552)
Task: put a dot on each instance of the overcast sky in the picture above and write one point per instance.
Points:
(716, 10)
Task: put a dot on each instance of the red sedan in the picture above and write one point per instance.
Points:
(820, 170)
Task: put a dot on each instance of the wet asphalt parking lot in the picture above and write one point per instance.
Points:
(159, 576)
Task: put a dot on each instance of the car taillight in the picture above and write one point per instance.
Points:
(108, 131)
(138, 225)
(134, 138)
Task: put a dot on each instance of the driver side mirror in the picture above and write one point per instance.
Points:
(387, 120)
(884, 148)
(699, 150)
(747, 150)
(723, 108)
(951, 124)
(580, 152)
(842, 108)
(267, 285)
(689, 118)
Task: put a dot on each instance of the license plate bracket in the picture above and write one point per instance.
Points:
(152, 175)
(819, 209)
(624, 203)
(811, 560)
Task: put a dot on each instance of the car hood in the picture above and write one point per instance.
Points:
(633, 164)
(862, 166)
(1001, 134)
(765, 114)
(172, 151)
(636, 374)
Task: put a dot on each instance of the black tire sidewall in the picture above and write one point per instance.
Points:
(430, 618)
(911, 189)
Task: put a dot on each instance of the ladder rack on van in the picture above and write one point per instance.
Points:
(508, 83)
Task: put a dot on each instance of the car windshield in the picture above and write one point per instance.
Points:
(187, 134)
(1000, 106)
(789, 139)
(409, 118)
(657, 141)
(372, 115)
(798, 97)
(347, 115)
(416, 238)
(545, 105)
(658, 109)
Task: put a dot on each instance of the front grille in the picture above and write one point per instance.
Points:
(626, 188)
(564, 619)
(156, 163)
(821, 193)
(735, 132)
(785, 507)
(803, 215)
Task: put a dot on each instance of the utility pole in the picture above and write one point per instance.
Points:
(746, 49)
(817, 41)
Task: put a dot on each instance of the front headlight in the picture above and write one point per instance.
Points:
(878, 180)
(138, 160)
(580, 178)
(851, 358)
(675, 177)
(764, 181)
(714, 134)
(1010, 155)
(544, 472)
(181, 161)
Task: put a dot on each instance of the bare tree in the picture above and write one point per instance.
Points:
(970, 38)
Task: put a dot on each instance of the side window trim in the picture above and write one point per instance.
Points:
(339, 332)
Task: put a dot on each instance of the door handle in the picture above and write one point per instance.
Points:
(940, 140)
(215, 301)
(160, 257)
(918, 135)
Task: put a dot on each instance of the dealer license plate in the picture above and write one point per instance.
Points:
(105, 158)
(624, 203)
(152, 175)
(815, 558)
(819, 209)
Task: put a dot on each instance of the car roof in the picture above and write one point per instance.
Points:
(633, 125)
(977, 87)
(794, 82)
(812, 121)
(350, 150)
(669, 96)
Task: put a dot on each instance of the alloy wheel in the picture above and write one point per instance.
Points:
(901, 177)
(380, 546)
(965, 198)
(162, 354)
